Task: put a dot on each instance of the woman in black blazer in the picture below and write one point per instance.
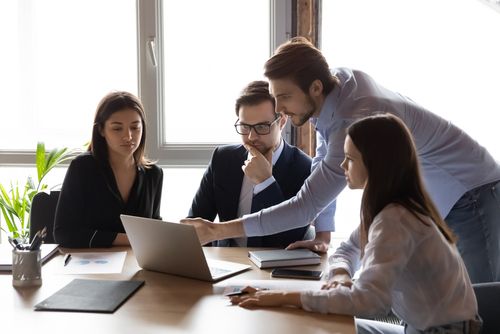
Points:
(113, 177)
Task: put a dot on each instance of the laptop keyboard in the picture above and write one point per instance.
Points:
(215, 271)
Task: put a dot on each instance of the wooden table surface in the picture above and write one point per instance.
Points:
(165, 304)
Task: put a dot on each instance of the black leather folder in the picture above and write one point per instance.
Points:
(87, 295)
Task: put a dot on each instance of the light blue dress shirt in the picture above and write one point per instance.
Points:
(452, 162)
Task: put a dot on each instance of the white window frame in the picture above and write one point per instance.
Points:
(150, 85)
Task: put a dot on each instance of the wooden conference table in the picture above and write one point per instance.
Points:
(165, 304)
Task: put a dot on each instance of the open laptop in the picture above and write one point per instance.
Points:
(174, 248)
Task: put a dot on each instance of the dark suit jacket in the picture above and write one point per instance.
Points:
(90, 204)
(220, 188)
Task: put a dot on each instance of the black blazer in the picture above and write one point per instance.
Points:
(220, 188)
(90, 204)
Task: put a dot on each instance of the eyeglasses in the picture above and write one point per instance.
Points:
(259, 128)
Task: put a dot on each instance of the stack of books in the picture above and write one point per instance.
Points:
(283, 258)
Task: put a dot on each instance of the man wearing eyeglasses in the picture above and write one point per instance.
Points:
(262, 171)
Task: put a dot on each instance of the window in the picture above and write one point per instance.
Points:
(187, 61)
(442, 54)
(59, 66)
(193, 78)
(179, 187)
(203, 72)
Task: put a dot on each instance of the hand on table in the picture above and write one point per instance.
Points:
(320, 244)
(340, 279)
(266, 298)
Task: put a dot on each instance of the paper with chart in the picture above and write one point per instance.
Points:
(94, 263)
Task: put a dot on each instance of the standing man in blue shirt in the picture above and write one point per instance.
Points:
(232, 186)
(460, 175)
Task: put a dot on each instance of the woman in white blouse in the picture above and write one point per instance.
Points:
(408, 256)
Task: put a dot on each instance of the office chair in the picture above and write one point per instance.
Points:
(488, 302)
(43, 210)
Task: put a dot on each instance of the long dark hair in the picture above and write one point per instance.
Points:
(299, 60)
(391, 160)
(109, 104)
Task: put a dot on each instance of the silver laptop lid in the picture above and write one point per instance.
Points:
(166, 247)
(172, 248)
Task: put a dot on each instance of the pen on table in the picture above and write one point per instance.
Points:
(236, 293)
(67, 258)
(241, 292)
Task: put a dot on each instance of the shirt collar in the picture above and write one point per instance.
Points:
(326, 115)
(277, 152)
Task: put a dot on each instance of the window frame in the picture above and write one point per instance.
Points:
(150, 83)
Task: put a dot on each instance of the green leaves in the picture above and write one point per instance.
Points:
(46, 161)
(15, 203)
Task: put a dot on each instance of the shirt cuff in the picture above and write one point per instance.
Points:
(263, 185)
(314, 301)
(251, 225)
(325, 221)
(339, 264)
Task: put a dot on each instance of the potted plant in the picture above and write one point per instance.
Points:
(15, 201)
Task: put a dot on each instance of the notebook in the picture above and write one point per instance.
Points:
(88, 295)
(174, 248)
(48, 250)
(283, 258)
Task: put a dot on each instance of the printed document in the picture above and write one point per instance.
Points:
(94, 263)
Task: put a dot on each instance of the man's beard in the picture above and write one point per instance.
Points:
(311, 110)
(262, 148)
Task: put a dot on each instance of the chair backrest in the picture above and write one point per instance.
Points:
(43, 210)
(488, 301)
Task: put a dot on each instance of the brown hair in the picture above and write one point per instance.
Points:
(254, 93)
(109, 104)
(299, 60)
(391, 160)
